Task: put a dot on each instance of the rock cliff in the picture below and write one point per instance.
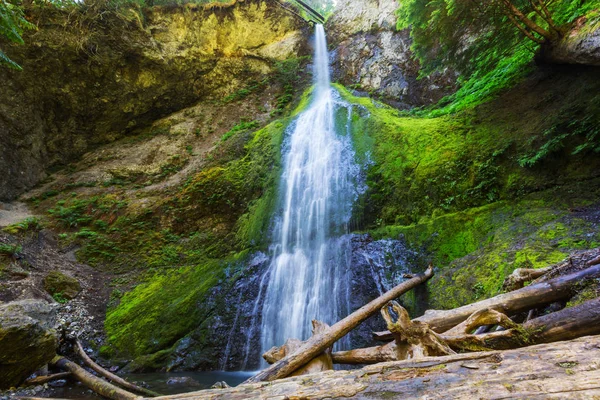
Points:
(87, 81)
(372, 56)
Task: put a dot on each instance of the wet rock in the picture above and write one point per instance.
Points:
(375, 58)
(26, 340)
(57, 283)
(579, 46)
(183, 380)
(220, 385)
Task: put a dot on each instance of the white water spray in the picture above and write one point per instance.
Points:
(308, 275)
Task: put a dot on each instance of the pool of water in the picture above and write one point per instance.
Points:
(163, 383)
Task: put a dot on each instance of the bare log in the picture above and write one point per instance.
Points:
(517, 279)
(318, 343)
(532, 296)
(558, 370)
(372, 355)
(422, 340)
(566, 324)
(320, 363)
(40, 380)
(481, 318)
(108, 375)
(99, 386)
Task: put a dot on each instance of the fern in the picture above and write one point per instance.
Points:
(12, 25)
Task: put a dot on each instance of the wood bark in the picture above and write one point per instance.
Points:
(532, 296)
(40, 380)
(98, 385)
(320, 363)
(520, 276)
(108, 375)
(558, 370)
(566, 324)
(421, 340)
(318, 343)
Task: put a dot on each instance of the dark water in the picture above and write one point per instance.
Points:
(158, 383)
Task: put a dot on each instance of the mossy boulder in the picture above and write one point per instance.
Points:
(58, 284)
(26, 340)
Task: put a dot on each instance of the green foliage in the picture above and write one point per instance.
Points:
(28, 224)
(585, 130)
(479, 40)
(12, 25)
(10, 249)
(59, 298)
(241, 127)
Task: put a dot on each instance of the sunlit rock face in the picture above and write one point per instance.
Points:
(86, 81)
(372, 56)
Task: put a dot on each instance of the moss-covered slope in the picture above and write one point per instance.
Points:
(512, 183)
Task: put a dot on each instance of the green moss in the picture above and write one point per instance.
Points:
(155, 314)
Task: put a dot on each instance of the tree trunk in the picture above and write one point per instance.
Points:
(99, 386)
(318, 343)
(535, 295)
(557, 370)
(108, 375)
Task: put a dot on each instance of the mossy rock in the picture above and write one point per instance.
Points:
(25, 343)
(56, 283)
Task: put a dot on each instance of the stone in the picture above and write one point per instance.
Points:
(182, 380)
(376, 58)
(26, 343)
(57, 283)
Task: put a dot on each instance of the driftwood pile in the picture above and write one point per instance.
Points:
(441, 352)
(480, 326)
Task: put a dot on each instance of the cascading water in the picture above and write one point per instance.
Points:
(311, 253)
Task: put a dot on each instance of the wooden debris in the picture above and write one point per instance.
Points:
(520, 276)
(98, 385)
(569, 323)
(108, 375)
(318, 343)
(320, 363)
(422, 341)
(558, 370)
(40, 380)
(532, 296)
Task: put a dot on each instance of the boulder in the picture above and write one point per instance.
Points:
(27, 340)
(58, 283)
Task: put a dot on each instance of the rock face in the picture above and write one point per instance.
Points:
(229, 338)
(581, 45)
(88, 81)
(372, 56)
(25, 329)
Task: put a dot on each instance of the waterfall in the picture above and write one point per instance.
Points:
(311, 252)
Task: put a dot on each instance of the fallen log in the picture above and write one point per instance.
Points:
(566, 324)
(519, 276)
(557, 370)
(318, 343)
(532, 296)
(40, 380)
(98, 385)
(320, 363)
(108, 375)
